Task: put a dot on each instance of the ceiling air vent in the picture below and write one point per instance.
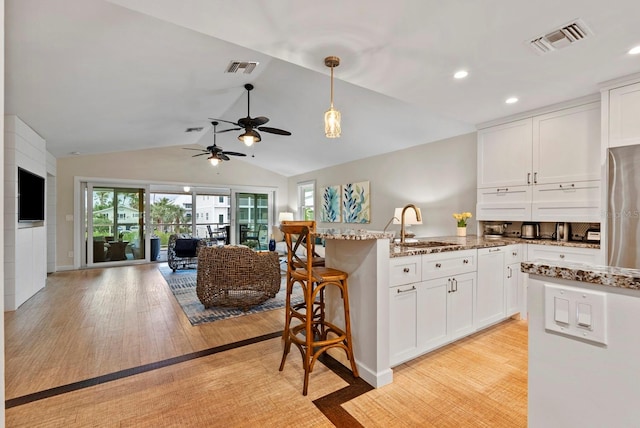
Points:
(561, 37)
(238, 66)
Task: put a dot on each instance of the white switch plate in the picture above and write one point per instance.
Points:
(594, 302)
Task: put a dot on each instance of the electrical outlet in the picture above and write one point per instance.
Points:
(70, 254)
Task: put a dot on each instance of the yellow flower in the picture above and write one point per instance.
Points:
(461, 218)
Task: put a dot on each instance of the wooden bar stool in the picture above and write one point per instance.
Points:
(311, 332)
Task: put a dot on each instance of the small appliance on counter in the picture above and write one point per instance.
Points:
(530, 230)
(494, 230)
(563, 231)
(592, 235)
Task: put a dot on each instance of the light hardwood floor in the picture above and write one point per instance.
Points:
(91, 325)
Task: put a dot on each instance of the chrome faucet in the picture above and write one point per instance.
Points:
(418, 217)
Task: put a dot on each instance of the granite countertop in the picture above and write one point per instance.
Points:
(470, 242)
(610, 276)
(352, 234)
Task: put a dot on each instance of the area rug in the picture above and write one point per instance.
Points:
(182, 284)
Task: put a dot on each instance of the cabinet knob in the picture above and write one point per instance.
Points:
(515, 253)
(535, 178)
(528, 178)
(406, 270)
(438, 265)
(506, 189)
(566, 187)
(413, 287)
(562, 256)
(465, 261)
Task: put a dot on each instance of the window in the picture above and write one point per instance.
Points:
(221, 200)
(306, 200)
(220, 218)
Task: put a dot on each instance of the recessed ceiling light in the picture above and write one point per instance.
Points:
(511, 100)
(75, 153)
(634, 51)
(461, 74)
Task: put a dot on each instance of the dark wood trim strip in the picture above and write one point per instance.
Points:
(331, 405)
(63, 389)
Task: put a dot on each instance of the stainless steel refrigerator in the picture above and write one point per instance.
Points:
(623, 211)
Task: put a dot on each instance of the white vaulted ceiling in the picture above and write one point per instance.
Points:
(95, 76)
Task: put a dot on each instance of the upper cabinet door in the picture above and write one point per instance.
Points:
(566, 145)
(624, 111)
(504, 155)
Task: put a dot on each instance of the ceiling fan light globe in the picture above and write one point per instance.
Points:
(249, 138)
(332, 123)
(214, 161)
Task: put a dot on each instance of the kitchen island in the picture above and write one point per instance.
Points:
(381, 271)
(583, 345)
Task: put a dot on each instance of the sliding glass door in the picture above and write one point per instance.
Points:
(115, 225)
(252, 219)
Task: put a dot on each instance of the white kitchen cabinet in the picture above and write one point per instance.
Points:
(434, 308)
(522, 164)
(504, 155)
(563, 253)
(460, 306)
(490, 300)
(403, 322)
(624, 110)
(513, 284)
(566, 145)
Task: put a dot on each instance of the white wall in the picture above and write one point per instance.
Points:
(439, 178)
(575, 383)
(25, 243)
(172, 165)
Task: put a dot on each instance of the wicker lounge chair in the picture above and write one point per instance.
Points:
(236, 276)
(182, 251)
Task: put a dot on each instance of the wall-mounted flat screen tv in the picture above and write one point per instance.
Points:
(30, 196)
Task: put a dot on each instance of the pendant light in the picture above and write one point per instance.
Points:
(332, 116)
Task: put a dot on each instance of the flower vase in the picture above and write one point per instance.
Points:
(462, 231)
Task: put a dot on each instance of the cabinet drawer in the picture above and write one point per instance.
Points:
(512, 254)
(504, 203)
(405, 270)
(448, 263)
(575, 191)
(575, 201)
(566, 254)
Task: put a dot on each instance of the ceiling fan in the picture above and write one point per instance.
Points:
(251, 124)
(216, 153)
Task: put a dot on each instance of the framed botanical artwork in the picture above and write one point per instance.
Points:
(330, 204)
(356, 206)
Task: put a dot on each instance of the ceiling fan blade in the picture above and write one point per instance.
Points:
(227, 130)
(260, 120)
(200, 154)
(223, 156)
(233, 154)
(274, 130)
(225, 121)
(191, 148)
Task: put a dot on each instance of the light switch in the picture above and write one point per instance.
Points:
(573, 311)
(584, 315)
(561, 310)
